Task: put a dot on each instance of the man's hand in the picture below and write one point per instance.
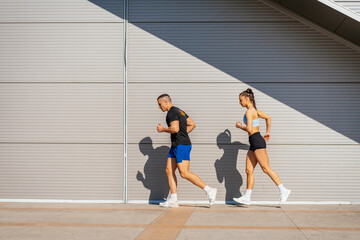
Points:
(160, 128)
(238, 125)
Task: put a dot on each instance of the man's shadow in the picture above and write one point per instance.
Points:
(155, 178)
(226, 166)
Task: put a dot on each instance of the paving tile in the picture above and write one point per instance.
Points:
(108, 217)
(238, 218)
(218, 234)
(330, 207)
(325, 219)
(332, 235)
(27, 216)
(73, 233)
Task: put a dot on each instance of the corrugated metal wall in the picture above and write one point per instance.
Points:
(353, 5)
(61, 87)
(61, 91)
(204, 53)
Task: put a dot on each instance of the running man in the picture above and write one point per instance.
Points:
(179, 125)
(257, 152)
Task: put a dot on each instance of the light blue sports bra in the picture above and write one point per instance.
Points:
(256, 122)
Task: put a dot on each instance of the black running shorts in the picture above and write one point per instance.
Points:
(256, 141)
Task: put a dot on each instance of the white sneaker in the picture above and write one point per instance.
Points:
(169, 203)
(242, 200)
(212, 196)
(284, 195)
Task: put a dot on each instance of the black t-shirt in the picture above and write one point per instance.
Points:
(181, 137)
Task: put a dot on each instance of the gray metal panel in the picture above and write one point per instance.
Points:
(61, 112)
(61, 171)
(327, 14)
(301, 113)
(61, 88)
(247, 52)
(61, 11)
(353, 5)
(350, 29)
(316, 12)
(202, 10)
(313, 173)
(85, 52)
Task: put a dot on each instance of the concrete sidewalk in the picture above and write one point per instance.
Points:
(134, 221)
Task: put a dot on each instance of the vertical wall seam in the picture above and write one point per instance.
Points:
(125, 99)
(335, 30)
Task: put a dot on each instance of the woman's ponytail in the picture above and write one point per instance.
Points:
(250, 94)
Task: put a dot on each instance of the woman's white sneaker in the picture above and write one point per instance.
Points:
(169, 204)
(242, 200)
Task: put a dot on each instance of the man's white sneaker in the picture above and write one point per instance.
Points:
(169, 204)
(242, 200)
(284, 195)
(212, 196)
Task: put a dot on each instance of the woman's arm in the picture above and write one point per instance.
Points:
(268, 123)
(249, 120)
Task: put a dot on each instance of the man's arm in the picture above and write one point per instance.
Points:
(174, 127)
(190, 125)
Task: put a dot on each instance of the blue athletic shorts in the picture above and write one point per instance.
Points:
(180, 152)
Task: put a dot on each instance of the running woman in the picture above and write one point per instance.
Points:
(179, 125)
(257, 152)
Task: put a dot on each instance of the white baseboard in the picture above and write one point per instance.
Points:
(253, 202)
(59, 201)
(181, 202)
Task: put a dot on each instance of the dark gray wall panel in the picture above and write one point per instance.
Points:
(202, 10)
(350, 29)
(316, 12)
(246, 52)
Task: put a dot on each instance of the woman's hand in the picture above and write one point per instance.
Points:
(267, 136)
(238, 125)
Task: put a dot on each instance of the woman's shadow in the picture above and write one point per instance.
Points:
(155, 178)
(226, 166)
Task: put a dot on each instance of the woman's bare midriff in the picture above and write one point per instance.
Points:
(254, 130)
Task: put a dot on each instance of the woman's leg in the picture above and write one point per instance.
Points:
(250, 166)
(263, 159)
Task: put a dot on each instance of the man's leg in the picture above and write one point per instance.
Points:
(170, 172)
(195, 179)
(185, 173)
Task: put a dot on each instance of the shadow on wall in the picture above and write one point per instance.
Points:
(288, 53)
(225, 167)
(115, 7)
(154, 177)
